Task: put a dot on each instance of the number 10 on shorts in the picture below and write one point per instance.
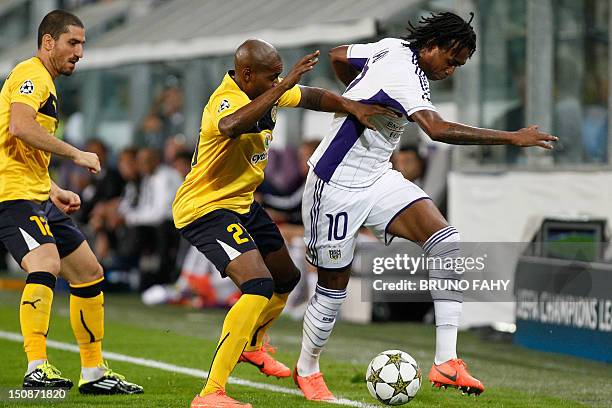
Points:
(338, 225)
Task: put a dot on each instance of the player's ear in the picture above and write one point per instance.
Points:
(247, 74)
(47, 42)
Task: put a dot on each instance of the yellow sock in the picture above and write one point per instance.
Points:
(237, 329)
(87, 320)
(267, 318)
(35, 312)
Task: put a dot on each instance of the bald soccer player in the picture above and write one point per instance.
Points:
(215, 211)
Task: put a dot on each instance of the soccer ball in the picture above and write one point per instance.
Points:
(393, 377)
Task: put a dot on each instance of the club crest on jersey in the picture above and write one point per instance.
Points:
(273, 112)
(224, 105)
(335, 254)
(26, 88)
(267, 141)
(259, 157)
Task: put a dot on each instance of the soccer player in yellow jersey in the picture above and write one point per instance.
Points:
(33, 221)
(215, 211)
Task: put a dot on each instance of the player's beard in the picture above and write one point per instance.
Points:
(68, 71)
(68, 68)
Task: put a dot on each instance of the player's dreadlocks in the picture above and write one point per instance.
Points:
(445, 30)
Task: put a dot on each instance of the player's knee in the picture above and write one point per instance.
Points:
(41, 263)
(51, 265)
(258, 286)
(442, 239)
(97, 272)
(93, 273)
(287, 286)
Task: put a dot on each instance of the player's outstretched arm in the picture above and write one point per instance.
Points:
(245, 118)
(343, 69)
(23, 125)
(320, 99)
(456, 133)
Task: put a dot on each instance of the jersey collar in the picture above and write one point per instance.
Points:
(231, 83)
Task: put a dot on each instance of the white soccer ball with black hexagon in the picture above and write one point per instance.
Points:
(393, 377)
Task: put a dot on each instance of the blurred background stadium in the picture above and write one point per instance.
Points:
(136, 99)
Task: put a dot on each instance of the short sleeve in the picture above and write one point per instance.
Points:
(409, 94)
(30, 89)
(291, 98)
(358, 54)
(225, 104)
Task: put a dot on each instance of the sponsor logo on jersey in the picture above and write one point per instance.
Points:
(395, 130)
(27, 88)
(259, 157)
(394, 127)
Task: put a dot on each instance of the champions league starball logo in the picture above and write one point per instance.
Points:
(27, 88)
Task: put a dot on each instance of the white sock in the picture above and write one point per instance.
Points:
(447, 324)
(33, 364)
(444, 245)
(319, 321)
(446, 344)
(92, 373)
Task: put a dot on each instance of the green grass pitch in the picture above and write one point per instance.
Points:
(514, 377)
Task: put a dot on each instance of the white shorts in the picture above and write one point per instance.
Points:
(332, 216)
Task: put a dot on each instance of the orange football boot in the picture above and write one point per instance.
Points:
(217, 399)
(313, 387)
(265, 362)
(454, 373)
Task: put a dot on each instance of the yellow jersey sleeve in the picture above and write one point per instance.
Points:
(30, 88)
(291, 98)
(226, 103)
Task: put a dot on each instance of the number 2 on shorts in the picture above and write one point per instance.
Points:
(238, 231)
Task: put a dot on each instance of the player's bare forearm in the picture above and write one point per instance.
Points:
(343, 69)
(246, 117)
(23, 125)
(320, 99)
(456, 133)
(54, 187)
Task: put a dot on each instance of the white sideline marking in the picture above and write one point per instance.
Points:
(194, 372)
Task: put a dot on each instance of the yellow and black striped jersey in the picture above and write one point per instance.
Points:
(24, 173)
(225, 172)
